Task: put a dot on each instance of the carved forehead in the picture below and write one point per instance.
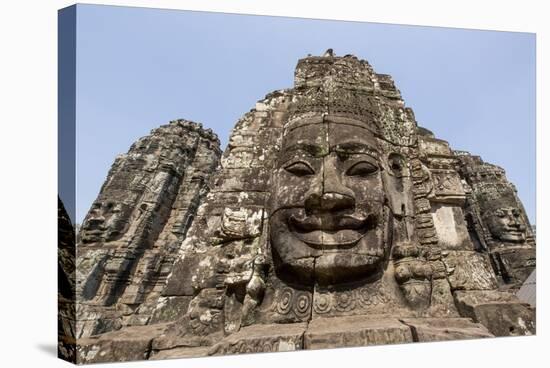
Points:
(320, 138)
(502, 208)
(495, 200)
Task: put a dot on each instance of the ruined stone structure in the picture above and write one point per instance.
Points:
(131, 236)
(334, 220)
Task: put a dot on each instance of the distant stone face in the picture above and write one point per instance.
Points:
(333, 220)
(131, 235)
(499, 221)
(506, 224)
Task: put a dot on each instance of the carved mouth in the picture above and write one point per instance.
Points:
(93, 231)
(328, 232)
(513, 233)
(518, 229)
(94, 225)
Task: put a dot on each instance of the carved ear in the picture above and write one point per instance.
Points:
(397, 183)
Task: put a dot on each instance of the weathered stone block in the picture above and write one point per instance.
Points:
(184, 269)
(447, 187)
(258, 180)
(130, 343)
(441, 329)
(180, 352)
(241, 222)
(502, 313)
(442, 302)
(218, 201)
(452, 233)
(170, 308)
(262, 338)
(337, 332)
(469, 270)
(434, 146)
(516, 263)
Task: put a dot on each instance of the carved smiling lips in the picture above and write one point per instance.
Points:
(513, 233)
(329, 231)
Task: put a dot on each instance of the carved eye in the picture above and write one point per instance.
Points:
(300, 169)
(362, 168)
(500, 213)
(515, 213)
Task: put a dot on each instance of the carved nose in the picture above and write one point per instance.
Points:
(332, 195)
(329, 202)
(515, 223)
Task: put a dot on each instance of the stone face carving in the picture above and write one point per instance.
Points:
(327, 217)
(106, 222)
(333, 220)
(131, 235)
(498, 220)
(506, 224)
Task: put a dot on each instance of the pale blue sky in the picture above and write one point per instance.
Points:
(139, 68)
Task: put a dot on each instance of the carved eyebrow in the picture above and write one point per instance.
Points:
(355, 147)
(308, 148)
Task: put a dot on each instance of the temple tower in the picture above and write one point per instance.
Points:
(130, 236)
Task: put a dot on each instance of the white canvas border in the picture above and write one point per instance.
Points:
(28, 155)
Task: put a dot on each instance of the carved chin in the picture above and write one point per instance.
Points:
(298, 261)
(90, 236)
(335, 268)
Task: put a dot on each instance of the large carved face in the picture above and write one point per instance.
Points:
(327, 222)
(506, 224)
